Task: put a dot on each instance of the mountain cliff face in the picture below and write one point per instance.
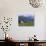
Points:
(26, 18)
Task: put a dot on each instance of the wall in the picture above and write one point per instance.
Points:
(12, 8)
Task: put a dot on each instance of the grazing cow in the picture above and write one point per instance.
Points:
(21, 21)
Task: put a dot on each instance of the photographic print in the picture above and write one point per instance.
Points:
(26, 20)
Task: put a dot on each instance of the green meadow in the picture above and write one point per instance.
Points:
(26, 24)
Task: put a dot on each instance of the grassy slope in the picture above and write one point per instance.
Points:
(26, 24)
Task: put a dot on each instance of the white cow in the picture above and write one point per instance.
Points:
(22, 22)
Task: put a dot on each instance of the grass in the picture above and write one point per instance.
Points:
(26, 24)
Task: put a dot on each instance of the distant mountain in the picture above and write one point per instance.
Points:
(26, 18)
